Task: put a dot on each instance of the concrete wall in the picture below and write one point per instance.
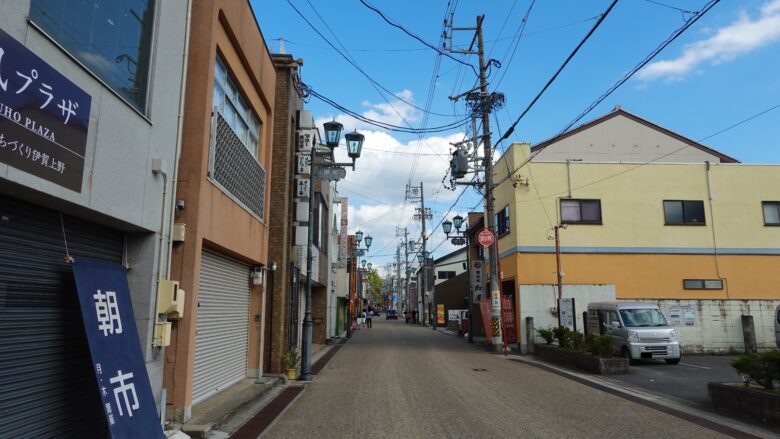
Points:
(718, 324)
(451, 262)
(536, 300)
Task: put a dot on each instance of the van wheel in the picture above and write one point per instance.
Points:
(672, 360)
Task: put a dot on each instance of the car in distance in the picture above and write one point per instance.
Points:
(391, 314)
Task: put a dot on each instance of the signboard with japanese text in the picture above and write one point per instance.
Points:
(44, 117)
(477, 284)
(440, 314)
(508, 314)
(566, 316)
(120, 370)
(681, 315)
(486, 238)
(306, 138)
(302, 187)
(303, 164)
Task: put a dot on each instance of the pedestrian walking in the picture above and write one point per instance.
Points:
(369, 315)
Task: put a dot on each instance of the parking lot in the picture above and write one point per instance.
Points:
(686, 380)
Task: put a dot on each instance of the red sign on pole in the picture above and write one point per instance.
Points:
(486, 238)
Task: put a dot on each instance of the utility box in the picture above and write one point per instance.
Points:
(170, 299)
(177, 232)
(162, 334)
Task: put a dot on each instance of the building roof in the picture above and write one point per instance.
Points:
(619, 111)
(449, 255)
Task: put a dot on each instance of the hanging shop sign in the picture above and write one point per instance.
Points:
(440, 314)
(477, 284)
(120, 370)
(44, 117)
(306, 138)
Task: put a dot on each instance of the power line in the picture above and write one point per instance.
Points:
(354, 64)
(560, 69)
(739, 123)
(416, 37)
(516, 43)
(679, 31)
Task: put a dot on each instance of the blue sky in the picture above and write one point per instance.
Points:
(724, 69)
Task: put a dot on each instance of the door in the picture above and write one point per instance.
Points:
(777, 327)
(615, 329)
(222, 326)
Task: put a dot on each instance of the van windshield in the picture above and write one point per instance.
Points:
(642, 317)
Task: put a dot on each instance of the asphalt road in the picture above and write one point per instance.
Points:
(687, 380)
(398, 380)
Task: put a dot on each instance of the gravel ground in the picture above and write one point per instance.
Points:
(399, 380)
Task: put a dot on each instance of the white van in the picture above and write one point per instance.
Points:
(639, 330)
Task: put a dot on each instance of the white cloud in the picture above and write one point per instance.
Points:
(727, 43)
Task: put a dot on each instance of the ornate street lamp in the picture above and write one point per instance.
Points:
(358, 236)
(332, 133)
(369, 240)
(354, 144)
(363, 263)
(369, 266)
(458, 222)
(446, 226)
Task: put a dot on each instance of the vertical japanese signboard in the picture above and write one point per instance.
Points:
(120, 370)
(566, 316)
(477, 284)
(440, 314)
(508, 312)
(44, 117)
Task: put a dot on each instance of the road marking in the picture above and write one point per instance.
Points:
(694, 365)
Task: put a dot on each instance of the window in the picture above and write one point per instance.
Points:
(502, 221)
(642, 317)
(233, 107)
(581, 211)
(445, 274)
(771, 213)
(684, 212)
(703, 284)
(110, 38)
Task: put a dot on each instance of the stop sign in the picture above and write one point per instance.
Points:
(486, 238)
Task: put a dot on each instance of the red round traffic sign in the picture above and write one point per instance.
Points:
(486, 238)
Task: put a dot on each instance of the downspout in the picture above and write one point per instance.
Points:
(714, 239)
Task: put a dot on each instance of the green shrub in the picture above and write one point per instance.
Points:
(562, 334)
(600, 346)
(576, 340)
(546, 334)
(291, 358)
(763, 368)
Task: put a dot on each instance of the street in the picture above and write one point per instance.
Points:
(398, 380)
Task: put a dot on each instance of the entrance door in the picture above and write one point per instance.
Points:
(222, 328)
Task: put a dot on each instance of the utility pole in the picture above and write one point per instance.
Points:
(484, 102)
(398, 277)
(421, 214)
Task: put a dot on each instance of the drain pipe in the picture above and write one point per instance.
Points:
(714, 239)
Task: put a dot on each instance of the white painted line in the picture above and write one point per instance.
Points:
(695, 365)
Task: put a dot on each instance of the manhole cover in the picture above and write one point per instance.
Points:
(479, 370)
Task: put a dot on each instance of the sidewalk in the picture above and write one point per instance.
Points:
(225, 413)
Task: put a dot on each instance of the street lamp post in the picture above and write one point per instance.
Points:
(462, 238)
(354, 252)
(354, 145)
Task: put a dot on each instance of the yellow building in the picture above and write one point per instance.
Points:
(654, 214)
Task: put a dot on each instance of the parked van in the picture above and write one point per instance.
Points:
(639, 330)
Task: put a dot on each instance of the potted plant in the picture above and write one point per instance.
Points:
(291, 359)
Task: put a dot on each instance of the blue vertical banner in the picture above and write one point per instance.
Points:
(120, 370)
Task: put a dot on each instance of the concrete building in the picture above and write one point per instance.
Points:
(649, 215)
(91, 178)
(222, 203)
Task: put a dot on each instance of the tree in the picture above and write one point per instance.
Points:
(374, 286)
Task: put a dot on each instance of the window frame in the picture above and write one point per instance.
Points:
(501, 232)
(764, 204)
(579, 201)
(685, 222)
(445, 274)
(703, 284)
(143, 107)
(240, 100)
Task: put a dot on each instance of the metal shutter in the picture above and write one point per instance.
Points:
(46, 376)
(222, 325)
